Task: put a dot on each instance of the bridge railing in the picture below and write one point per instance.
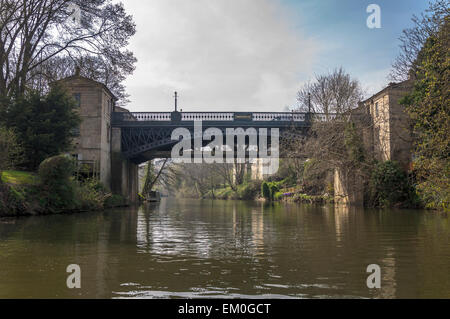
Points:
(127, 117)
(209, 116)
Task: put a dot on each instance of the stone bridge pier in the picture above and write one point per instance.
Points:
(124, 173)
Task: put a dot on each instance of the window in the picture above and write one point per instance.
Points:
(376, 109)
(77, 97)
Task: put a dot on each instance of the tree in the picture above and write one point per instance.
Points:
(44, 124)
(232, 174)
(334, 143)
(38, 34)
(11, 153)
(413, 39)
(151, 178)
(429, 109)
(335, 92)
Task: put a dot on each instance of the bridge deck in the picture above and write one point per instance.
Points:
(144, 135)
(257, 119)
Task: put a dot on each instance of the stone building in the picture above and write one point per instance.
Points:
(389, 135)
(98, 145)
(386, 135)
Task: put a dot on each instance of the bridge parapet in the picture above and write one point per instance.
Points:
(170, 117)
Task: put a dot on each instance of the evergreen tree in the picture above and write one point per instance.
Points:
(44, 124)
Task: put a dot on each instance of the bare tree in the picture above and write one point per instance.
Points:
(335, 142)
(413, 39)
(34, 32)
(151, 178)
(335, 92)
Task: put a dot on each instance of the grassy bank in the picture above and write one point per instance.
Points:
(24, 193)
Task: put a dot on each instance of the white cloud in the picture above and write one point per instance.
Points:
(374, 81)
(218, 54)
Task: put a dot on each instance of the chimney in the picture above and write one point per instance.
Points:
(77, 71)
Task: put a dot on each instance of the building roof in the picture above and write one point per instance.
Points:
(79, 77)
(392, 85)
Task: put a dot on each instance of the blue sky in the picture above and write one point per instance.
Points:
(340, 27)
(224, 55)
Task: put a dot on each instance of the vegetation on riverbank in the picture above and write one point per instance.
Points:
(429, 108)
(52, 190)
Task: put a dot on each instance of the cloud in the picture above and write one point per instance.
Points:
(218, 54)
(374, 81)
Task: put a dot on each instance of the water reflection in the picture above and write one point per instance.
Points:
(191, 248)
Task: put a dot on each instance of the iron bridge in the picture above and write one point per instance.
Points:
(147, 135)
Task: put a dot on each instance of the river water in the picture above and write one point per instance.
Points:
(223, 249)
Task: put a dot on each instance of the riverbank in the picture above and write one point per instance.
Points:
(24, 194)
(280, 191)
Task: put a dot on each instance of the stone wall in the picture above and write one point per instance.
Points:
(348, 187)
(386, 136)
(391, 131)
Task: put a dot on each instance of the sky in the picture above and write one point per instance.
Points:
(254, 55)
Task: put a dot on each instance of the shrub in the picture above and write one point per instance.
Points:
(273, 190)
(249, 190)
(88, 197)
(265, 190)
(57, 185)
(12, 201)
(389, 186)
(278, 196)
(56, 169)
(115, 201)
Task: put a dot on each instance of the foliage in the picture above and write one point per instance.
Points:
(265, 190)
(11, 151)
(43, 124)
(389, 186)
(249, 190)
(333, 142)
(413, 39)
(90, 195)
(151, 177)
(428, 106)
(273, 190)
(56, 169)
(114, 200)
(55, 174)
(353, 144)
(12, 200)
(278, 196)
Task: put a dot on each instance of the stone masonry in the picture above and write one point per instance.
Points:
(98, 145)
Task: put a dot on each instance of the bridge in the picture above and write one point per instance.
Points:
(115, 140)
(148, 135)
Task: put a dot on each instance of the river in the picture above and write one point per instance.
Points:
(222, 249)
